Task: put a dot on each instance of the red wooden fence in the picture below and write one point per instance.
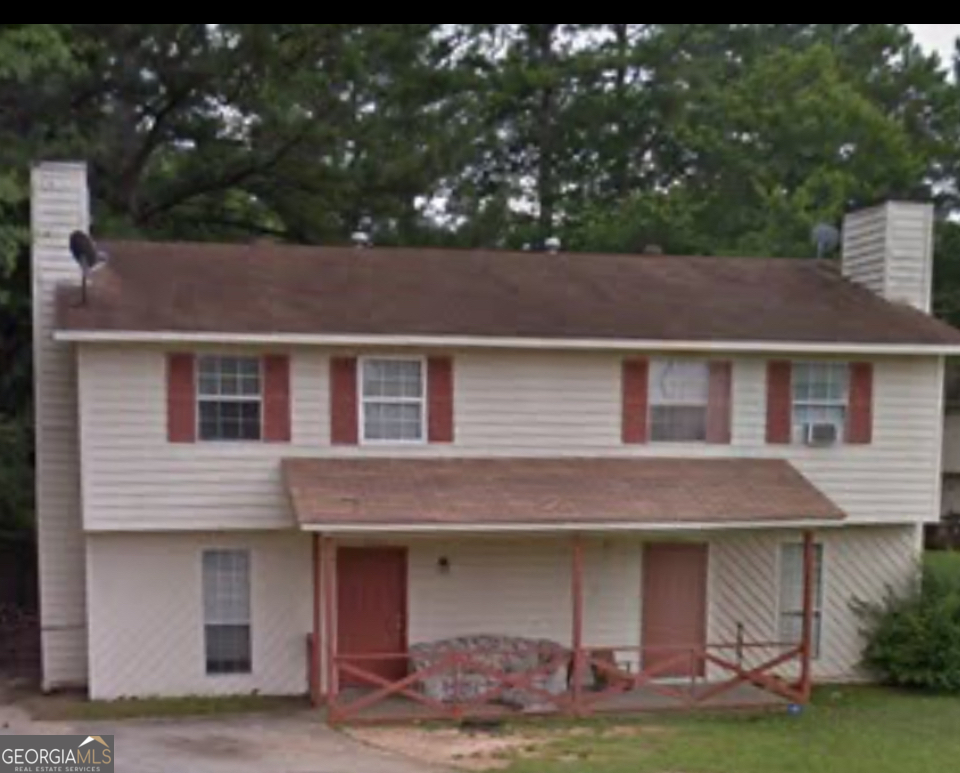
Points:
(757, 670)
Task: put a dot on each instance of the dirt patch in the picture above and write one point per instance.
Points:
(483, 752)
(467, 751)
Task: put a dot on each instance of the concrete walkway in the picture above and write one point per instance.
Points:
(289, 744)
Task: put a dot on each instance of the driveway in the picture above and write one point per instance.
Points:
(288, 744)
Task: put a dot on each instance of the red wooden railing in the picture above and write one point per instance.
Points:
(716, 673)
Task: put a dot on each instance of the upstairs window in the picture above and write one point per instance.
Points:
(393, 404)
(821, 395)
(679, 399)
(230, 399)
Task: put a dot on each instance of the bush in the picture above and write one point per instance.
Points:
(16, 477)
(914, 638)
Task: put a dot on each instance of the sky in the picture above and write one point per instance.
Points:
(938, 36)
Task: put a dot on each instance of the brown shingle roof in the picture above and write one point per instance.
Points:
(267, 289)
(534, 492)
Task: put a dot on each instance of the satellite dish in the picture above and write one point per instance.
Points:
(362, 240)
(826, 238)
(85, 252)
(88, 257)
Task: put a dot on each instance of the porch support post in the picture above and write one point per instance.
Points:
(577, 597)
(316, 644)
(328, 561)
(809, 602)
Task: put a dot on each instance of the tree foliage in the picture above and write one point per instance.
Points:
(30, 54)
(703, 135)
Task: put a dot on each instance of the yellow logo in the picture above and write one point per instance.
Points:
(90, 756)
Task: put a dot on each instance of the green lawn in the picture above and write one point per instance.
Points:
(854, 731)
(945, 563)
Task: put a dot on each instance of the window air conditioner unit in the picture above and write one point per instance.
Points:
(821, 435)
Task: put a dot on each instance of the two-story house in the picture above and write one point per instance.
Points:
(688, 469)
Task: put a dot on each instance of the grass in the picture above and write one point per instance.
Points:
(946, 564)
(846, 732)
(71, 708)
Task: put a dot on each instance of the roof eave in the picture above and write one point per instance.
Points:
(489, 342)
(487, 528)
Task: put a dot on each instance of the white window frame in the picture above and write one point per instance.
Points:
(652, 405)
(844, 404)
(819, 595)
(202, 398)
(224, 623)
(423, 401)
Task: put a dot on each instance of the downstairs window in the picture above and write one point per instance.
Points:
(791, 596)
(226, 612)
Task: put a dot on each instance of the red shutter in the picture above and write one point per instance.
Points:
(440, 385)
(277, 425)
(780, 403)
(720, 406)
(636, 402)
(860, 422)
(344, 402)
(181, 398)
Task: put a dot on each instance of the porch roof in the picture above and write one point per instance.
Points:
(392, 494)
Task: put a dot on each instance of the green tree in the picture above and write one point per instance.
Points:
(763, 150)
(29, 55)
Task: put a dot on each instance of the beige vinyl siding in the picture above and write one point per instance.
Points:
(526, 586)
(59, 208)
(910, 275)
(527, 403)
(146, 615)
(864, 248)
(131, 474)
(896, 478)
(860, 565)
(889, 250)
(507, 404)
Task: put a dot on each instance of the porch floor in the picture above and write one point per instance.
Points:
(398, 709)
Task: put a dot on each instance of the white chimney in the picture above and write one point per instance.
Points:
(889, 250)
(60, 206)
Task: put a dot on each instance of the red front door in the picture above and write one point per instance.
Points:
(675, 609)
(372, 610)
